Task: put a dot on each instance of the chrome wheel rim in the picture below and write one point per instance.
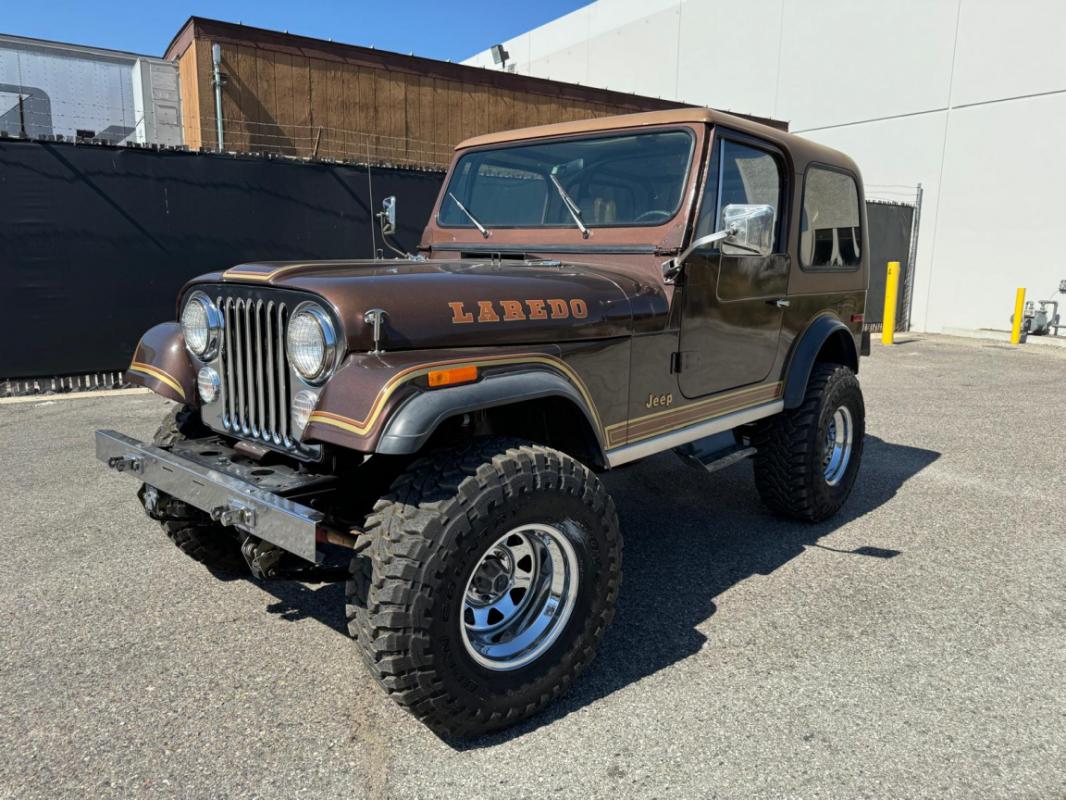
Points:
(519, 597)
(836, 450)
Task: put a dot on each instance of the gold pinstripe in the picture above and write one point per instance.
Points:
(742, 399)
(254, 275)
(363, 426)
(159, 375)
(689, 406)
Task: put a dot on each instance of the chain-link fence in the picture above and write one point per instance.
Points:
(893, 214)
(325, 143)
(29, 117)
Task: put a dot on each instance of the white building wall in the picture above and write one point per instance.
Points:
(967, 97)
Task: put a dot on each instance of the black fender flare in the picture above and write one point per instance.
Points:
(805, 354)
(411, 425)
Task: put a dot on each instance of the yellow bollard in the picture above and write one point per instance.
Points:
(888, 321)
(1019, 310)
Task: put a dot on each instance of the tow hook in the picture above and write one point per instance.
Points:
(263, 558)
(234, 514)
(123, 463)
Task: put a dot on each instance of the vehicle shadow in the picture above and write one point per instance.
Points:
(689, 537)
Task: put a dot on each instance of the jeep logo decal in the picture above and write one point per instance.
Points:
(656, 400)
(515, 310)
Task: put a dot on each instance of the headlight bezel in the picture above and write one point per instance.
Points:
(329, 339)
(214, 321)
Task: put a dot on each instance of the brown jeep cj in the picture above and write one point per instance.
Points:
(430, 428)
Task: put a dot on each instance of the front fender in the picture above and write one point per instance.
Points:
(382, 402)
(162, 364)
(410, 427)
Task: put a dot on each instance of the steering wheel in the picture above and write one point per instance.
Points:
(653, 214)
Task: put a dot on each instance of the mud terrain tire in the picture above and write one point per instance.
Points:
(189, 528)
(409, 595)
(791, 462)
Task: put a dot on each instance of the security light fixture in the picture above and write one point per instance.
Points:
(499, 55)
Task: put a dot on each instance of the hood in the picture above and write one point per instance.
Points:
(457, 303)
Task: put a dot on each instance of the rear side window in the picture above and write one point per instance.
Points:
(830, 232)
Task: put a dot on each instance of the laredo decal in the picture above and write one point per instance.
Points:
(515, 310)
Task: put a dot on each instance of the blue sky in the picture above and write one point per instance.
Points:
(454, 29)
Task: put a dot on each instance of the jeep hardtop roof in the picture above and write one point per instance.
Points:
(802, 151)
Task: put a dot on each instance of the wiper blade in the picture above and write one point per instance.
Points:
(571, 206)
(481, 228)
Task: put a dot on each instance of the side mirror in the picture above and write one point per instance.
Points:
(746, 229)
(751, 229)
(388, 215)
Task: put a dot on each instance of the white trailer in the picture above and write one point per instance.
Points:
(54, 89)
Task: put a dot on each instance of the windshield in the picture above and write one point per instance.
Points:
(630, 179)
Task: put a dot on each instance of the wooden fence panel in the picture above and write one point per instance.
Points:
(304, 97)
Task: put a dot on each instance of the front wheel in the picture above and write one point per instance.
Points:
(490, 575)
(807, 458)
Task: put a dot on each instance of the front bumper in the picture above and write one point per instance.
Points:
(229, 500)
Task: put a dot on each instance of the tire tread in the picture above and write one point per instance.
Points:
(390, 594)
(786, 462)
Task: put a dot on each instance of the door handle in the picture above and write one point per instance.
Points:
(779, 302)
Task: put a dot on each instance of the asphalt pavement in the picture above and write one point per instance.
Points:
(913, 646)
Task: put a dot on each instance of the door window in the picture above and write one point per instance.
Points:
(740, 175)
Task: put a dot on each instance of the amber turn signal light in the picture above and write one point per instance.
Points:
(450, 377)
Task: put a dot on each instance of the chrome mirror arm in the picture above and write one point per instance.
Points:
(672, 266)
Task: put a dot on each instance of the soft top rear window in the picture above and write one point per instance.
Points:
(618, 180)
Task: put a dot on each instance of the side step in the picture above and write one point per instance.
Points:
(714, 452)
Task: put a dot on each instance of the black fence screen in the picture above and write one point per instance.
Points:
(890, 240)
(95, 242)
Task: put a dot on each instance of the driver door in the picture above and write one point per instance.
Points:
(734, 301)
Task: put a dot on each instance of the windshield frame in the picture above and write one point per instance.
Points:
(686, 177)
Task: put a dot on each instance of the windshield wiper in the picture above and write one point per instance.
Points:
(571, 206)
(471, 217)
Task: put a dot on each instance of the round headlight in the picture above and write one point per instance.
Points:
(311, 342)
(201, 324)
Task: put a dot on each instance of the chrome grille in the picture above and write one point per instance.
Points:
(254, 370)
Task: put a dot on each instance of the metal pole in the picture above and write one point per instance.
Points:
(370, 190)
(888, 322)
(912, 258)
(216, 61)
(1019, 310)
(22, 119)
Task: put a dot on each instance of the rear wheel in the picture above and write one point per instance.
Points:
(807, 459)
(490, 575)
(191, 530)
